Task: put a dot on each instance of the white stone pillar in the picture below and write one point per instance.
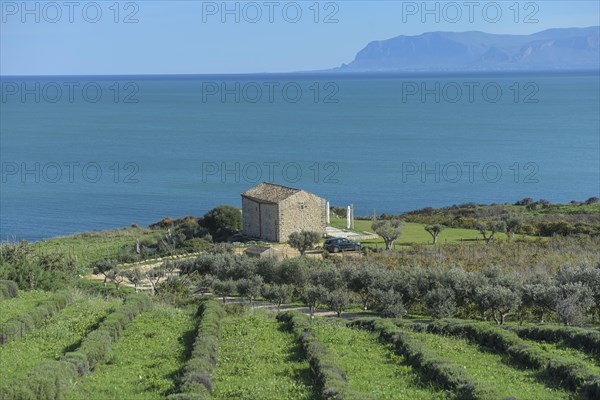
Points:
(348, 217)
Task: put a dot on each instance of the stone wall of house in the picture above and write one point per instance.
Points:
(302, 211)
(250, 216)
(269, 222)
(260, 219)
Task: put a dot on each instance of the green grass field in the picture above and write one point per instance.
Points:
(483, 366)
(568, 354)
(86, 248)
(145, 362)
(414, 233)
(24, 302)
(372, 367)
(256, 360)
(53, 338)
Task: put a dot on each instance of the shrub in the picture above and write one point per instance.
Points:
(222, 221)
(19, 325)
(8, 289)
(46, 381)
(583, 339)
(446, 374)
(331, 378)
(97, 288)
(197, 382)
(51, 379)
(175, 291)
(571, 375)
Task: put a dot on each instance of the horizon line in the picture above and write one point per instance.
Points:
(328, 72)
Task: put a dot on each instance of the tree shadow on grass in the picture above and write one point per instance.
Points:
(305, 375)
(187, 339)
(420, 379)
(77, 344)
(538, 375)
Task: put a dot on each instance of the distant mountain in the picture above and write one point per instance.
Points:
(552, 49)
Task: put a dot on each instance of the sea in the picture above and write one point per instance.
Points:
(83, 153)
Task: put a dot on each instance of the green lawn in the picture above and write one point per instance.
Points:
(256, 360)
(26, 301)
(492, 368)
(372, 367)
(57, 334)
(145, 361)
(415, 233)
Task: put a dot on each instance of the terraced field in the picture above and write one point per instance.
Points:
(373, 368)
(57, 334)
(485, 366)
(256, 360)
(24, 302)
(160, 350)
(145, 362)
(568, 353)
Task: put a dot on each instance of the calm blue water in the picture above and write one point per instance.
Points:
(78, 161)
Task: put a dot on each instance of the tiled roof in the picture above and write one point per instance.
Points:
(270, 193)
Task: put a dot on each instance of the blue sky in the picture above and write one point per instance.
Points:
(186, 37)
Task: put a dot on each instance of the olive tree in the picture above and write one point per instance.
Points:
(154, 276)
(539, 293)
(498, 299)
(338, 301)
(278, 294)
(117, 277)
(587, 276)
(312, 296)
(303, 240)
(513, 224)
(463, 284)
(250, 288)
(362, 281)
(390, 303)
(434, 231)
(105, 267)
(134, 276)
(224, 288)
(389, 230)
(440, 302)
(493, 227)
(572, 303)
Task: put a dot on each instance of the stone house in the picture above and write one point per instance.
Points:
(272, 212)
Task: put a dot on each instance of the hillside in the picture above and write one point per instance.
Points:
(553, 49)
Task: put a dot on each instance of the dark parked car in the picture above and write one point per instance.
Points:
(335, 245)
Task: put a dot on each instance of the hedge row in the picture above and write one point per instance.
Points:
(330, 377)
(577, 338)
(575, 376)
(446, 374)
(17, 326)
(94, 348)
(50, 380)
(8, 289)
(197, 382)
